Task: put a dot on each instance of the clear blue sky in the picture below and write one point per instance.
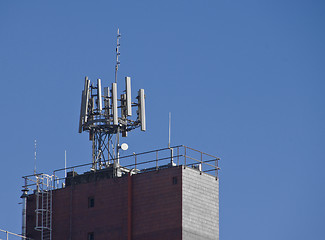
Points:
(244, 80)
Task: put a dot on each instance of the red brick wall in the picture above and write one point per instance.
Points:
(31, 218)
(157, 205)
(107, 219)
(154, 208)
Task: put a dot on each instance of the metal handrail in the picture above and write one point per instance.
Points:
(183, 157)
(11, 233)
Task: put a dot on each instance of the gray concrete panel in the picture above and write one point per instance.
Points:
(200, 206)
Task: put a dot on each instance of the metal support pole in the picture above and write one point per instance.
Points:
(51, 205)
(185, 156)
(99, 147)
(177, 156)
(216, 169)
(201, 164)
(118, 146)
(108, 152)
(24, 197)
(135, 161)
(92, 134)
(156, 160)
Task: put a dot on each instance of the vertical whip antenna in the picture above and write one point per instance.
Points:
(117, 53)
(65, 163)
(35, 145)
(169, 128)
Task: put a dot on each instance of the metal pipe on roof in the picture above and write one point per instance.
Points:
(24, 214)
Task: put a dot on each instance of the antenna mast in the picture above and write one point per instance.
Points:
(35, 145)
(65, 163)
(169, 128)
(117, 53)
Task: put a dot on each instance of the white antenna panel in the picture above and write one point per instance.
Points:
(114, 104)
(142, 109)
(86, 95)
(128, 96)
(99, 95)
(82, 109)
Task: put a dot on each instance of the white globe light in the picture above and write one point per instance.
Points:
(124, 146)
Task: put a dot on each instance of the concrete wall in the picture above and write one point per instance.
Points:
(200, 206)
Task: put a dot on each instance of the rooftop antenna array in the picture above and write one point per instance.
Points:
(107, 116)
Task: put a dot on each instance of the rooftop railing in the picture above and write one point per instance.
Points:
(178, 156)
(11, 236)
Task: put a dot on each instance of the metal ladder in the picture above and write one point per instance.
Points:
(44, 206)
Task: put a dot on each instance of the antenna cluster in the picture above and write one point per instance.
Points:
(96, 115)
(105, 115)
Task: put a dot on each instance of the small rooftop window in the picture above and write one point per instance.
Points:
(91, 236)
(174, 180)
(91, 202)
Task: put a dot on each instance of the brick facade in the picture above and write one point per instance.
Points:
(143, 206)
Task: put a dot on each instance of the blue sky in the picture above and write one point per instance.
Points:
(244, 80)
